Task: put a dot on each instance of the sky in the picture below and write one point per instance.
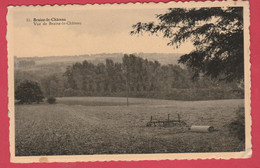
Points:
(105, 30)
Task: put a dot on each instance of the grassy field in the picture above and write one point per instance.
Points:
(88, 125)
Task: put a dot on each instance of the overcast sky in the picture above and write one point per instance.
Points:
(101, 31)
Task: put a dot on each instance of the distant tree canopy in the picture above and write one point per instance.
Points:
(139, 74)
(24, 63)
(138, 77)
(28, 92)
(216, 33)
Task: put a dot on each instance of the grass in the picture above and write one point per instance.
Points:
(104, 125)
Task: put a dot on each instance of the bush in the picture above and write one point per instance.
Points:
(237, 127)
(51, 100)
(28, 92)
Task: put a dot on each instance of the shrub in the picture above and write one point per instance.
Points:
(237, 126)
(51, 100)
(28, 92)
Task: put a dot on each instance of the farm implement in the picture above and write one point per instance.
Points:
(178, 123)
(166, 123)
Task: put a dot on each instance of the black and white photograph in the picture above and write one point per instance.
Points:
(129, 81)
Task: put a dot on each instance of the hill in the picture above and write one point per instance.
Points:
(37, 63)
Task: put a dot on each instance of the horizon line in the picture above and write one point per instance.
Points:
(97, 54)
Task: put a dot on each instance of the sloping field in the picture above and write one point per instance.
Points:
(89, 125)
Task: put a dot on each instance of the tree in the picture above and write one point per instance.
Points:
(136, 77)
(28, 92)
(216, 33)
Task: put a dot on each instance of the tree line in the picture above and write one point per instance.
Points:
(136, 77)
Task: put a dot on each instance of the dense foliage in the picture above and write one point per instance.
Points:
(133, 76)
(237, 126)
(216, 33)
(138, 77)
(51, 100)
(28, 92)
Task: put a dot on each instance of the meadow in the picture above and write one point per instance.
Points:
(105, 125)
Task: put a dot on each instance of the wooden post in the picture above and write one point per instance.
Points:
(151, 118)
(127, 90)
(127, 101)
(179, 118)
(126, 87)
(124, 69)
(190, 93)
(168, 117)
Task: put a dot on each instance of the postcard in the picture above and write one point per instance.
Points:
(135, 81)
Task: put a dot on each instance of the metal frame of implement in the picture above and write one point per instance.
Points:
(165, 123)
